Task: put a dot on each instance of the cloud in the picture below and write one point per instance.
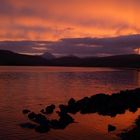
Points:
(97, 46)
(51, 19)
(77, 46)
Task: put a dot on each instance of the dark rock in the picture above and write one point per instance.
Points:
(26, 111)
(111, 128)
(65, 120)
(55, 124)
(31, 116)
(28, 125)
(71, 101)
(72, 106)
(38, 118)
(43, 111)
(42, 129)
(48, 109)
(132, 134)
(63, 108)
(103, 104)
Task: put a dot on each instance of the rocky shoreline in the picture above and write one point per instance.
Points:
(103, 104)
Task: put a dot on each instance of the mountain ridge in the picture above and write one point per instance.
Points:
(9, 58)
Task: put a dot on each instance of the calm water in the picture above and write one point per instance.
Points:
(36, 87)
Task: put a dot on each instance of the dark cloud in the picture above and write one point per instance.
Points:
(23, 46)
(77, 46)
(5, 7)
(96, 46)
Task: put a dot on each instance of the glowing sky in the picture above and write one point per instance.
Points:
(52, 20)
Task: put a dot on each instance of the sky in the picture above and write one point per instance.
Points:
(70, 27)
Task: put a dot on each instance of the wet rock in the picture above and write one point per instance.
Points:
(65, 120)
(28, 125)
(31, 116)
(38, 118)
(132, 134)
(109, 105)
(55, 124)
(72, 101)
(72, 106)
(63, 108)
(50, 109)
(26, 111)
(42, 129)
(43, 111)
(111, 128)
(103, 104)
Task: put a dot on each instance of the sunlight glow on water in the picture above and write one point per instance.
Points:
(36, 87)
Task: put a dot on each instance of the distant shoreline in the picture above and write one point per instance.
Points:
(127, 68)
(8, 58)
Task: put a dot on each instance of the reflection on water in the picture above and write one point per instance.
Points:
(36, 87)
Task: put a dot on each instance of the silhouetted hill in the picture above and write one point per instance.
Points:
(48, 56)
(11, 58)
(131, 60)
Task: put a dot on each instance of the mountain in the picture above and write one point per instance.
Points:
(9, 58)
(48, 56)
(131, 60)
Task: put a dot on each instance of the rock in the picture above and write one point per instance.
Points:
(111, 128)
(42, 129)
(28, 125)
(31, 116)
(26, 111)
(50, 109)
(103, 104)
(72, 101)
(65, 120)
(131, 134)
(63, 108)
(38, 118)
(43, 111)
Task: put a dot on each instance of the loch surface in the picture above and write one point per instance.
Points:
(36, 87)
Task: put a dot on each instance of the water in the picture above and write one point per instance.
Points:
(36, 87)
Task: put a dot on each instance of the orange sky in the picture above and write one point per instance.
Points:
(56, 19)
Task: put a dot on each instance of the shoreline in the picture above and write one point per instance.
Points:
(102, 104)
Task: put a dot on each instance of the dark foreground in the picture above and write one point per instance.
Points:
(103, 104)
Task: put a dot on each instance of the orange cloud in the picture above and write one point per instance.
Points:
(56, 19)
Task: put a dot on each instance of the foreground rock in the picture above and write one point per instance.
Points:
(42, 124)
(134, 133)
(26, 111)
(111, 128)
(103, 104)
(48, 109)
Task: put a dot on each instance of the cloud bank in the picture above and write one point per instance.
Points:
(77, 46)
(56, 19)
